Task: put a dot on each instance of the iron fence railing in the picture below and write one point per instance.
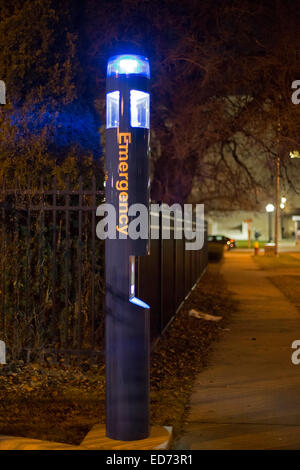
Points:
(167, 276)
(52, 272)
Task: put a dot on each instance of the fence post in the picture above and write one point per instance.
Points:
(3, 259)
(28, 310)
(93, 264)
(161, 260)
(67, 264)
(54, 266)
(79, 262)
(41, 320)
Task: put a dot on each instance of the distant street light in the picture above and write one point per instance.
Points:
(295, 154)
(270, 209)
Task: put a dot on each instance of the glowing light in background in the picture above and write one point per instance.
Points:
(295, 154)
(270, 208)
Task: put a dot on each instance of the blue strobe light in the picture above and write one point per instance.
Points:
(128, 65)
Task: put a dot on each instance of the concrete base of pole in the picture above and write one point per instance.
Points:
(160, 438)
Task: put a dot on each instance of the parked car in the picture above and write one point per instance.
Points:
(228, 242)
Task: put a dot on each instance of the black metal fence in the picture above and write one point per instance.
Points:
(52, 273)
(167, 276)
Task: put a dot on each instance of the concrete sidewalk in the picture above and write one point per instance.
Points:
(248, 397)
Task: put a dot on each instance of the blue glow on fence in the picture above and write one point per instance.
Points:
(128, 65)
(138, 302)
(63, 127)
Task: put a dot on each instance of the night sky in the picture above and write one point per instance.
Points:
(221, 77)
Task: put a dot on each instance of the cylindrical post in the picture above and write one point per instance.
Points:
(127, 317)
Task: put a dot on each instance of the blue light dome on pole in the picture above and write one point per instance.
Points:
(127, 64)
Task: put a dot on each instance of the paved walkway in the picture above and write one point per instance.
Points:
(249, 395)
(288, 247)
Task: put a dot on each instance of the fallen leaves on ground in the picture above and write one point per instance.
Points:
(184, 349)
(61, 403)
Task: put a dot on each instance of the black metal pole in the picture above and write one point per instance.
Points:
(127, 318)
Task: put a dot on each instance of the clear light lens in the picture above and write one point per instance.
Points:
(283, 200)
(127, 65)
(139, 109)
(112, 109)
